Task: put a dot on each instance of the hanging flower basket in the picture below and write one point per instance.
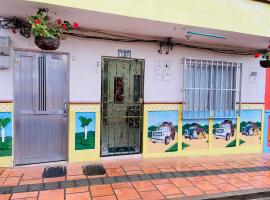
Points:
(265, 63)
(46, 43)
(48, 31)
(266, 56)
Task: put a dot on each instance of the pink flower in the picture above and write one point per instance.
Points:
(76, 25)
(59, 21)
(257, 55)
(64, 26)
(14, 30)
(38, 21)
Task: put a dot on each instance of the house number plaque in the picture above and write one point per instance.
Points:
(123, 53)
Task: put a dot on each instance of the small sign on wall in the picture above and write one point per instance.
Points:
(124, 53)
(163, 71)
(4, 52)
(252, 79)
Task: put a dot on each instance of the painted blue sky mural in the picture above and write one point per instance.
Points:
(251, 115)
(197, 121)
(91, 126)
(219, 121)
(157, 117)
(8, 128)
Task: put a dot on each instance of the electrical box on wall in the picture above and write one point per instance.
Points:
(4, 52)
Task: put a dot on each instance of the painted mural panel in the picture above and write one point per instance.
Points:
(250, 127)
(162, 131)
(6, 134)
(224, 131)
(85, 130)
(195, 134)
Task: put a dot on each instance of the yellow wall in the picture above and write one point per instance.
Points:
(244, 16)
(83, 155)
(94, 154)
(7, 161)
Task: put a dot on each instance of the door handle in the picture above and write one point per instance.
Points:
(65, 107)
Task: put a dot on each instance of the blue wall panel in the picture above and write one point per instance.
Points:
(266, 148)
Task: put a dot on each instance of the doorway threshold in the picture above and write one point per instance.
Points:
(54, 163)
(121, 157)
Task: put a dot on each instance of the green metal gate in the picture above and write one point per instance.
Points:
(122, 106)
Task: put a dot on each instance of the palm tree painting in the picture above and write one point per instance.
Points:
(84, 123)
(3, 123)
(6, 134)
(85, 131)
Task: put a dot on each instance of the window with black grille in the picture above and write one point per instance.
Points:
(211, 88)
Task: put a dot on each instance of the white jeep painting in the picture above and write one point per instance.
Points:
(225, 131)
(164, 134)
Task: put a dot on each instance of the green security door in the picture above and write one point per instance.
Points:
(122, 106)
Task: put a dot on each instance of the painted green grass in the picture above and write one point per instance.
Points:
(6, 147)
(81, 143)
(185, 145)
(172, 148)
(175, 147)
(241, 142)
(233, 143)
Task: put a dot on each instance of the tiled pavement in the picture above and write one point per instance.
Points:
(166, 178)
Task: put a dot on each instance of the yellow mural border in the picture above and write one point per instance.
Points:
(94, 154)
(83, 155)
(160, 107)
(7, 161)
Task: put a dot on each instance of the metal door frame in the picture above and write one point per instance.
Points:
(101, 100)
(67, 78)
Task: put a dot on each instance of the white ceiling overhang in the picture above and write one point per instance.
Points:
(90, 20)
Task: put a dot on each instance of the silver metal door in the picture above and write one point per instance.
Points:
(41, 96)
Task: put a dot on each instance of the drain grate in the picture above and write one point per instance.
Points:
(93, 170)
(56, 171)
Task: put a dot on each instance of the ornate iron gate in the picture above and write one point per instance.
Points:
(122, 106)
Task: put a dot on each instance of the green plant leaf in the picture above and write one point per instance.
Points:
(48, 27)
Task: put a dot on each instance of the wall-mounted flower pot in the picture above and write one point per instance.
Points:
(265, 63)
(45, 43)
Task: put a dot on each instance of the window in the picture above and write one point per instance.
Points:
(211, 88)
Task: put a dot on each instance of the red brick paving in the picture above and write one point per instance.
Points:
(77, 190)
(52, 194)
(101, 190)
(168, 189)
(24, 195)
(154, 189)
(126, 194)
(78, 196)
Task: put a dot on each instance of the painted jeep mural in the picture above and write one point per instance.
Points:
(194, 131)
(164, 134)
(225, 130)
(250, 129)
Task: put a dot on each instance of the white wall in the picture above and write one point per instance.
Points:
(85, 77)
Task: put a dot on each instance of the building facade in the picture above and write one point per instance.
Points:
(189, 85)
